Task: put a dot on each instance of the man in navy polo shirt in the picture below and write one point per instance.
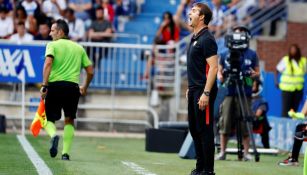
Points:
(230, 109)
(202, 65)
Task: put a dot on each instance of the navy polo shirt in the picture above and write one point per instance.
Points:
(248, 59)
(202, 46)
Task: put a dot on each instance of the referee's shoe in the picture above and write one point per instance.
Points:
(195, 172)
(54, 146)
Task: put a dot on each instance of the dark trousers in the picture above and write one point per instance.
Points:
(202, 133)
(265, 139)
(297, 143)
(290, 100)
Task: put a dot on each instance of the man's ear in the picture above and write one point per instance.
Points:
(62, 32)
(202, 17)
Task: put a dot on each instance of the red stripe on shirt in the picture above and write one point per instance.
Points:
(207, 108)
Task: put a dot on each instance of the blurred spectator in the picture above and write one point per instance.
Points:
(8, 5)
(230, 21)
(168, 30)
(216, 25)
(43, 32)
(21, 35)
(109, 12)
(54, 8)
(123, 8)
(272, 5)
(82, 9)
(31, 6)
(100, 31)
(260, 108)
(6, 23)
(123, 12)
(76, 26)
(262, 10)
(244, 9)
(168, 33)
(29, 21)
(299, 137)
(231, 3)
(292, 68)
(182, 17)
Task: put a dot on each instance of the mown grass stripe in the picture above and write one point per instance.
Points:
(36, 160)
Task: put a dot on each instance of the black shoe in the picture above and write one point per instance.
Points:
(54, 146)
(208, 173)
(300, 135)
(65, 157)
(196, 172)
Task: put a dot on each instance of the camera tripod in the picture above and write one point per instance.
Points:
(245, 116)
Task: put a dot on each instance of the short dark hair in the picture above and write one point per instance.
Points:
(3, 9)
(20, 23)
(62, 25)
(47, 23)
(99, 8)
(204, 10)
(70, 11)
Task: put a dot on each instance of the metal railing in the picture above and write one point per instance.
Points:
(267, 14)
(118, 65)
(121, 68)
(155, 117)
(258, 19)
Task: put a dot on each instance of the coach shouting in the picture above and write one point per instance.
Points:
(202, 65)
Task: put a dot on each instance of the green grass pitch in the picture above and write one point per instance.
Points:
(104, 156)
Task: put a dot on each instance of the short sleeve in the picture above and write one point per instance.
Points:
(85, 60)
(92, 26)
(62, 4)
(281, 66)
(264, 106)
(49, 50)
(223, 56)
(210, 47)
(305, 64)
(109, 25)
(256, 61)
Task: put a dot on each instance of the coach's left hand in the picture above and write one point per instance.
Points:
(203, 102)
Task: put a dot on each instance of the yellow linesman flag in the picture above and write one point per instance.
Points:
(39, 120)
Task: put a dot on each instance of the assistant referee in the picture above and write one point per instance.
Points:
(202, 66)
(64, 60)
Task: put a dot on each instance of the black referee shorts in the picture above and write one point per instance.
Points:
(61, 95)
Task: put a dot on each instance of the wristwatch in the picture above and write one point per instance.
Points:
(206, 93)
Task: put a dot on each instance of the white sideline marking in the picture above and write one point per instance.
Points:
(36, 160)
(136, 168)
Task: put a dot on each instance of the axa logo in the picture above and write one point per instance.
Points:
(13, 62)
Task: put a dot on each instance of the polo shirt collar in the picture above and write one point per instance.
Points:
(200, 33)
